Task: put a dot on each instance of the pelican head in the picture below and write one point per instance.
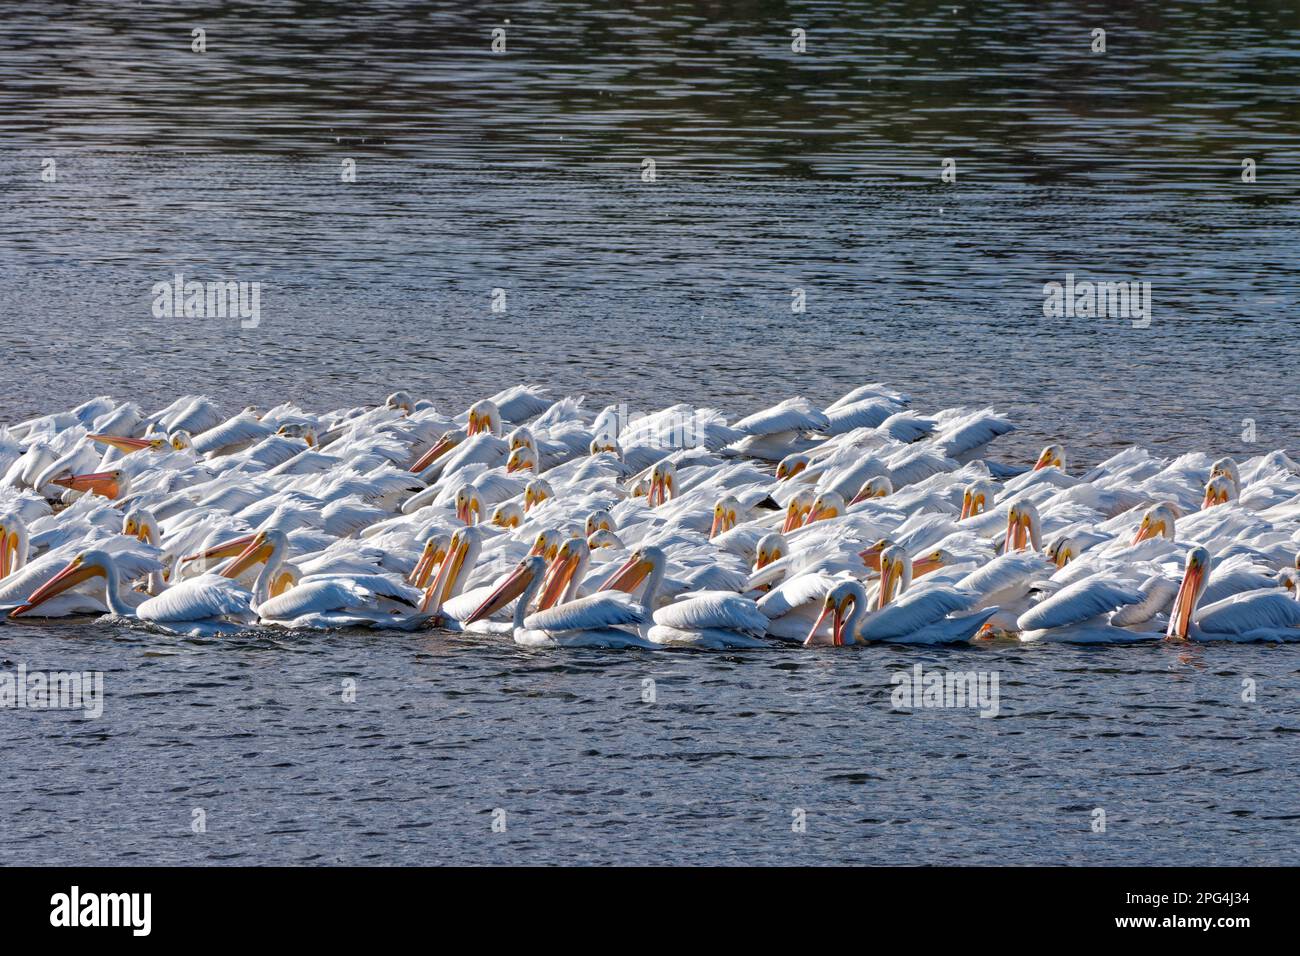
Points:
(771, 547)
(724, 515)
(565, 573)
(797, 509)
(1227, 467)
(537, 491)
(112, 484)
(828, 504)
(1063, 549)
(602, 446)
(895, 574)
(643, 563)
(181, 440)
(871, 556)
(604, 538)
(522, 437)
(844, 605)
(931, 561)
(304, 430)
(1052, 456)
(141, 524)
(400, 401)
(599, 521)
(663, 483)
(976, 498)
(262, 547)
(469, 506)
(484, 416)
(508, 514)
(1023, 528)
(14, 544)
(790, 466)
(83, 567)
(1157, 522)
(1219, 490)
(519, 581)
(547, 544)
(877, 487)
(434, 551)
(522, 458)
(1196, 575)
(461, 555)
(449, 440)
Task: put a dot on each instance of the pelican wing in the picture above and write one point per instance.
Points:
(867, 413)
(794, 414)
(1157, 595)
(380, 585)
(197, 599)
(1007, 571)
(605, 609)
(794, 593)
(1079, 602)
(713, 610)
(971, 432)
(242, 429)
(915, 610)
(521, 402)
(1224, 584)
(315, 597)
(1271, 609)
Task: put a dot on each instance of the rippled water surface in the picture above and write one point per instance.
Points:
(775, 170)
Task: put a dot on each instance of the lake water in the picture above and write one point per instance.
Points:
(774, 171)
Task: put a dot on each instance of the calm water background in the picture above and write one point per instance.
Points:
(775, 171)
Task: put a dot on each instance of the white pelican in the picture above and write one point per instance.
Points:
(112, 484)
(204, 606)
(1023, 528)
(1261, 615)
(846, 604)
(320, 600)
(1084, 613)
(717, 619)
(14, 544)
(920, 616)
(1157, 522)
(1052, 456)
(598, 620)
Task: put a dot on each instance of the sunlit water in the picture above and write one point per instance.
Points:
(774, 171)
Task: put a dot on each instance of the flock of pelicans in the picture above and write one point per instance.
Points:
(554, 524)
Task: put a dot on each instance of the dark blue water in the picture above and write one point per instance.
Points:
(774, 171)
(446, 730)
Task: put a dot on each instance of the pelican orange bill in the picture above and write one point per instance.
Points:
(104, 483)
(73, 574)
(632, 572)
(509, 589)
(127, 445)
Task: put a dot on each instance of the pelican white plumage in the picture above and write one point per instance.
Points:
(1083, 613)
(716, 619)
